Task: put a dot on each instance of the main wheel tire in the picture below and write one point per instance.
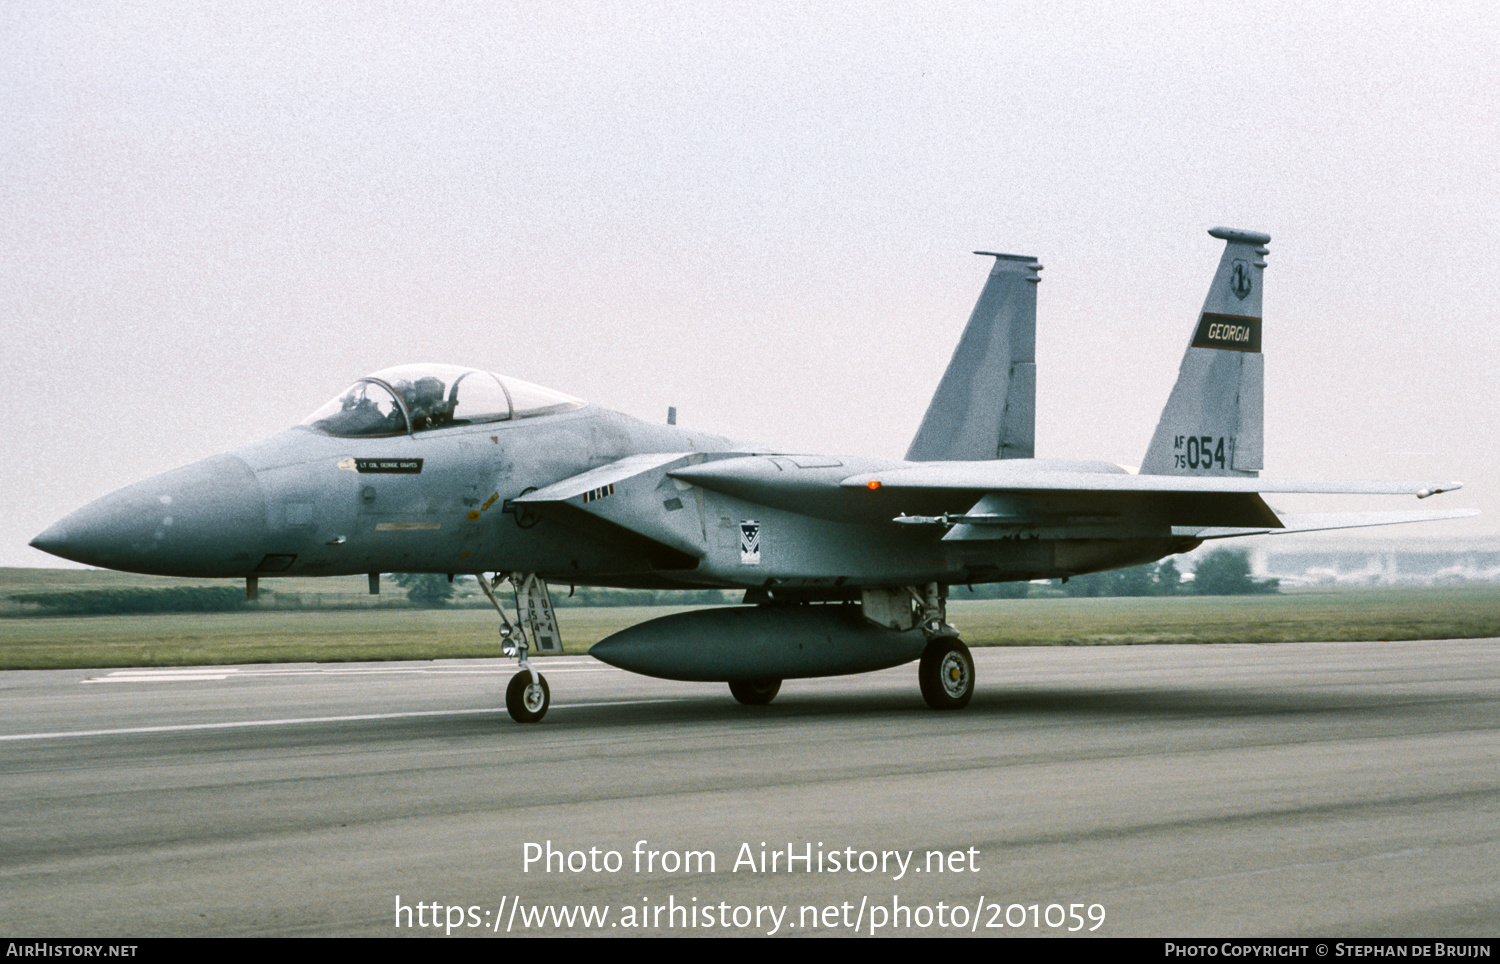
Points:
(946, 674)
(755, 692)
(527, 701)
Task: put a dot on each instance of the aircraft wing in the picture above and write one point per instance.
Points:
(1064, 503)
(1000, 498)
(1003, 477)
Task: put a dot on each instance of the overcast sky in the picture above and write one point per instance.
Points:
(214, 217)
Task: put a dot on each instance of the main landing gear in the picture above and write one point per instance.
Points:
(755, 692)
(528, 696)
(946, 672)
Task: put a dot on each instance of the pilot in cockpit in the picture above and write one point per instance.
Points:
(434, 396)
(426, 402)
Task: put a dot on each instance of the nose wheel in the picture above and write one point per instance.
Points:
(527, 697)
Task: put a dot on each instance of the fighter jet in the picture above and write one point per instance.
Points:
(845, 562)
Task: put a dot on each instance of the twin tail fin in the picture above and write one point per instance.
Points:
(985, 406)
(1212, 424)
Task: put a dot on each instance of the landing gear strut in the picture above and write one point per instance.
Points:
(528, 696)
(946, 672)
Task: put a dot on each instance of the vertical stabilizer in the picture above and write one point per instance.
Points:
(985, 406)
(1212, 422)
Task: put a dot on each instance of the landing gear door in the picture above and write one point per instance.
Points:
(534, 607)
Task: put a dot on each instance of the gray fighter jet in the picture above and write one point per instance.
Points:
(845, 562)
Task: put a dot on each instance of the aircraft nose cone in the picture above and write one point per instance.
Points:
(204, 519)
(54, 539)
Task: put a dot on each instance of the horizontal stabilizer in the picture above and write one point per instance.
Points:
(1320, 521)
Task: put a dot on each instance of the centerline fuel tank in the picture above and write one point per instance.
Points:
(758, 642)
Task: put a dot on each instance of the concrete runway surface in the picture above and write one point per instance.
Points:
(1317, 789)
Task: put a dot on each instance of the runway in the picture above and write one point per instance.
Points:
(1316, 789)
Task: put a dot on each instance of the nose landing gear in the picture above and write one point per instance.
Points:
(528, 696)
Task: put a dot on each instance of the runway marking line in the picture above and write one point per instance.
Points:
(294, 721)
(210, 674)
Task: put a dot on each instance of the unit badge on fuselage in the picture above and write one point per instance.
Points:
(750, 543)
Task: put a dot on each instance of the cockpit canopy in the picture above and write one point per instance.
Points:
(418, 398)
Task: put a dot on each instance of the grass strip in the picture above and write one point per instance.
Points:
(192, 639)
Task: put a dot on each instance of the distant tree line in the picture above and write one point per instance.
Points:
(1223, 572)
(427, 590)
(105, 602)
(1226, 572)
(593, 596)
(1154, 579)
